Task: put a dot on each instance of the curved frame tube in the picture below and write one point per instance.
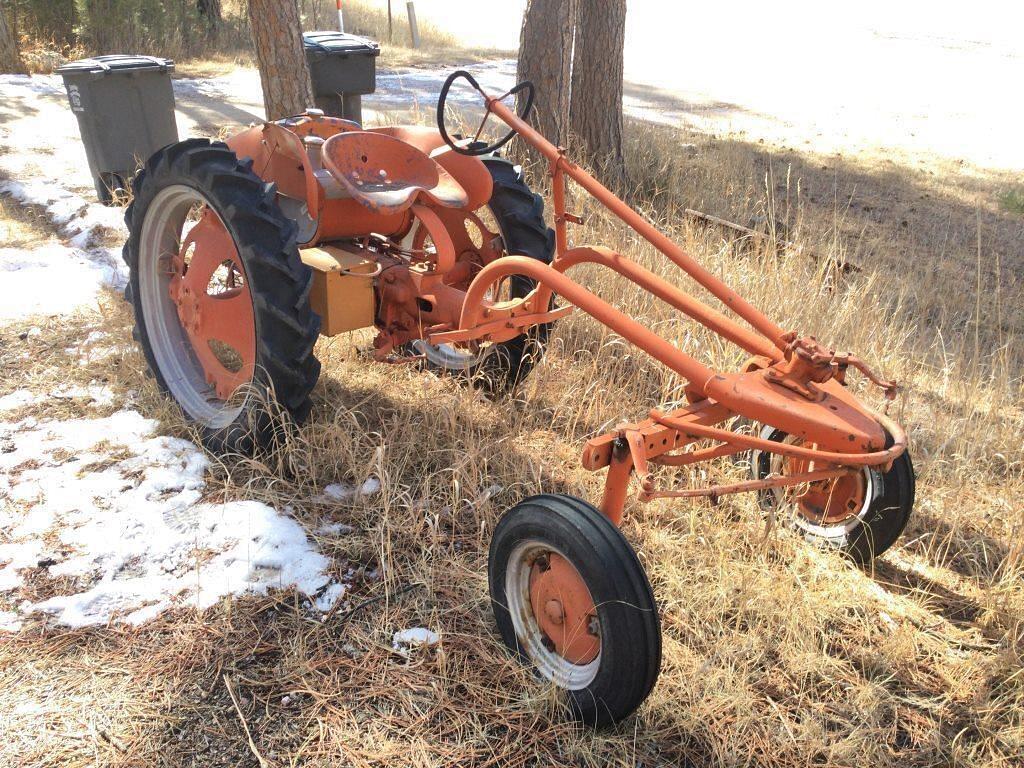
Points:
(697, 310)
(875, 459)
(551, 280)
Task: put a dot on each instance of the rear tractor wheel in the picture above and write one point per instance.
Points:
(221, 298)
(571, 599)
(512, 222)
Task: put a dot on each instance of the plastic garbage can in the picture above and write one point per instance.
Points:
(342, 68)
(125, 110)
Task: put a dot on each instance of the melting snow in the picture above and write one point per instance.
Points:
(339, 492)
(335, 529)
(120, 511)
(17, 399)
(414, 637)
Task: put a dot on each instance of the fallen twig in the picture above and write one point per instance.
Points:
(245, 726)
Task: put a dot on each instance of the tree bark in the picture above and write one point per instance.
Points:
(10, 57)
(277, 37)
(210, 11)
(545, 59)
(596, 114)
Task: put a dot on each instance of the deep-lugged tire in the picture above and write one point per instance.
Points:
(607, 688)
(519, 213)
(888, 502)
(286, 328)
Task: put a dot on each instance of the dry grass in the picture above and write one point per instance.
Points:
(775, 653)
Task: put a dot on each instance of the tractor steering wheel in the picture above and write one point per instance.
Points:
(472, 148)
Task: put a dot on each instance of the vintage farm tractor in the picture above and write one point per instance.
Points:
(242, 253)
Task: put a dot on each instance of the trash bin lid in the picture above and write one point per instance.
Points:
(115, 63)
(338, 44)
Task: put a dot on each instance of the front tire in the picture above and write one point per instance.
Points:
(571, 599)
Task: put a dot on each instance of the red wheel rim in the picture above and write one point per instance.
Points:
(564, 609)
(827, 502)
(210, 290)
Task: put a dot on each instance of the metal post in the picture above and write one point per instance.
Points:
(413, 29)
(389, 21)
(341, 18)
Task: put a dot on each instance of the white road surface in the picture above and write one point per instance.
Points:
(917, 77)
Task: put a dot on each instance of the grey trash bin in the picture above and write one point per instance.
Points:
(342, 68)
(125, 111)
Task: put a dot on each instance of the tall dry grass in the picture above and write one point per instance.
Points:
(776, 653)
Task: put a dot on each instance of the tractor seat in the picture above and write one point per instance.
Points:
(386, 175)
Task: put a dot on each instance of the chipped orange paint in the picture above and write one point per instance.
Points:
(224, 316)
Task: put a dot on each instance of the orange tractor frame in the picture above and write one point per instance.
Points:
(383, 228)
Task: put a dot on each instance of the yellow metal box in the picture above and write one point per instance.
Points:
(342, 288)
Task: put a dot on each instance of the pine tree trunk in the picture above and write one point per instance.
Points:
(10, 58)
(545, 59)
(210, 10)
(596, 114)
(277, 37)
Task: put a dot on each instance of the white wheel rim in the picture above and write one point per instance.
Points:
(549, 664)
(161, 236)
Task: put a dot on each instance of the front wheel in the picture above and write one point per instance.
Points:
(860, 514)
(571, 599)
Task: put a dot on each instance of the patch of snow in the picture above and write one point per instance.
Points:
(51, 171)
(9, 621)
(17, 555)
(330, 596)
(339, 492)
(17, 399)
(51, 279)
(98, 395)
(414, 637)
(126, 507)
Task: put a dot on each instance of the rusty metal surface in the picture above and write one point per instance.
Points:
(219, 323)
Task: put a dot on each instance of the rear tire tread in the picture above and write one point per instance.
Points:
(286, 326)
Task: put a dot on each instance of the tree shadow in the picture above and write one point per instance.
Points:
(212, 116)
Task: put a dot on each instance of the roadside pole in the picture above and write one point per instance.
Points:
(413, 29)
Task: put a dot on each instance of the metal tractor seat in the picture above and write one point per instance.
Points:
(386, 175)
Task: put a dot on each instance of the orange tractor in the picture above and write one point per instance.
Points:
(242, 253)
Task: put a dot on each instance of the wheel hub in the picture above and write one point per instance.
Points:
(827, 502)
(564, 609)
(214, 305)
